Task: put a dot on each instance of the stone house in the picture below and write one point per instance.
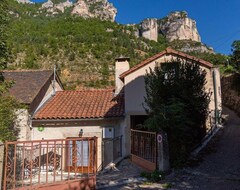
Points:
(108, 114)
(31, 88)
(52, 113)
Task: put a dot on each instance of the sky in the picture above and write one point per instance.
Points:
(218, 21)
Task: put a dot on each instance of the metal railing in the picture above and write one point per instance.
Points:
(36, 163)
(143, 145)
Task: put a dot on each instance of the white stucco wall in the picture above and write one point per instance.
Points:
(90, 129)
(135, 87)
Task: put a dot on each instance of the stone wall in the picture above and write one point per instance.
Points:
(230, 93)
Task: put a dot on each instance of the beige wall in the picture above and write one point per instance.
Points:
(22, 122)
(120, 67)
(90, 129)
(49, 94)
(135, 87)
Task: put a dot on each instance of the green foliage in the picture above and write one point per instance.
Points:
(30, 61)
(176, 102)
(228, 69)
(7, 104)
(8, 107)
(235, 58)
(90, 45)
(4, 54)
(155, 176)
(216, 59)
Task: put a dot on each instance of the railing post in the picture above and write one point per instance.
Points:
(1, 163)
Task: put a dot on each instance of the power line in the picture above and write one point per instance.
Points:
(227, 39)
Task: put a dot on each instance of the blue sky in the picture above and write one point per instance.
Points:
(218, 21)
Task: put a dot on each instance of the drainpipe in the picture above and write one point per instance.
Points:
(215, 97)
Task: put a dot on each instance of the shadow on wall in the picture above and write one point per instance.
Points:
(130, 98)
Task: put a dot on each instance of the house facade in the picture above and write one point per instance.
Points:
(108, 114)
(32, 88)
(132, 80)
(86, 113)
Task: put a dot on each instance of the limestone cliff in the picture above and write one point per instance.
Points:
(95, 9)
(101, 9)
(56, 8)
(85, 8)
(149, 29)
(178, 26)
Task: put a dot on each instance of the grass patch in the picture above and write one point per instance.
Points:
(155, 176)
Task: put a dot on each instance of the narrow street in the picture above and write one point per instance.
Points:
(219, 168)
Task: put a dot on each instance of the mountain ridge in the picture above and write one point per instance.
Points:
(84, 49)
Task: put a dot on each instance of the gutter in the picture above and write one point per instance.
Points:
(76, 120)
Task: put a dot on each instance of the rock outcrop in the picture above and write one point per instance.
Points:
(82, 9)
(178, 26)
(101, 9)
(47, 5)
(149, 29)
(55, 8)
(95, 9)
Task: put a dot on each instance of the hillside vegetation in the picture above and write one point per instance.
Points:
(84, 50)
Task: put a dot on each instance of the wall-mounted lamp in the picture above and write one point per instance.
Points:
(80, 134)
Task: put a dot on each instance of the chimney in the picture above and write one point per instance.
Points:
(121, 65)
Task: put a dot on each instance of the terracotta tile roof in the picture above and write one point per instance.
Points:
(82, 105)
(27, 83)
(168, 51)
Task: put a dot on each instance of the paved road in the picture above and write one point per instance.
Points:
(219, 169)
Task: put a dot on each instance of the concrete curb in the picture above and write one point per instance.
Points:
(206, 141)
(122, 182)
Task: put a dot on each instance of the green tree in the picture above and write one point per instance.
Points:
(4, 54)
(235, 58)
(8, 105)
(177, 102)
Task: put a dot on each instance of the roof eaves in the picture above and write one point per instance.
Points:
(165, 52)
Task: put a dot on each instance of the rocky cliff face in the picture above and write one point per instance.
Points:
(149, 29)
(180, 31)
(56, 8)
(85, 8)
(178, 26)
(95, 9)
